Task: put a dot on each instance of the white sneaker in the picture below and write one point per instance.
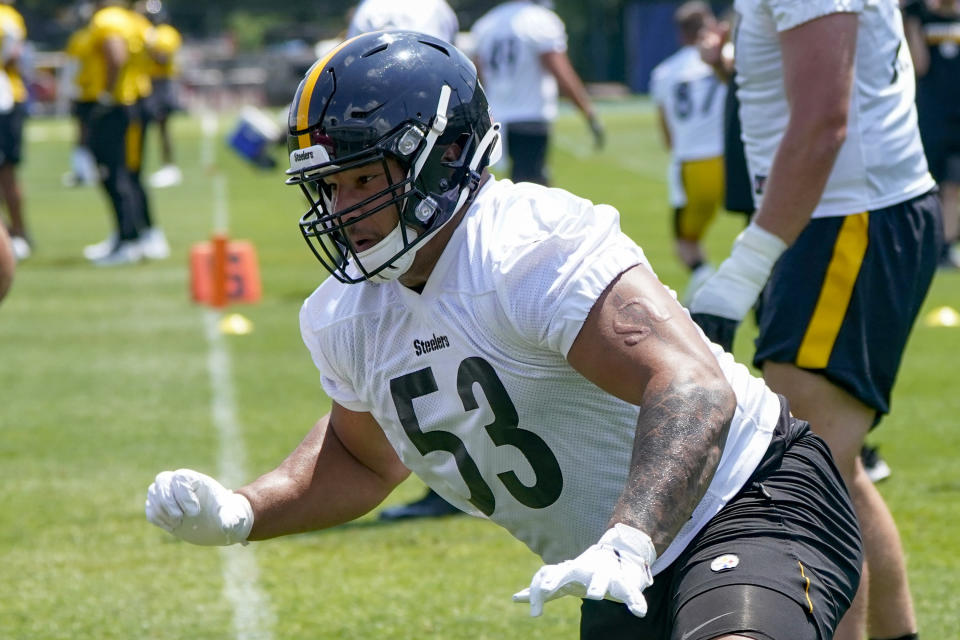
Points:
(153, 244)
(21, 248)
(167, 176)
(126, 252)
(101, 249)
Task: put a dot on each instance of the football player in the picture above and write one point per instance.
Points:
(116, 123)
(511, 346)
(690, 100)
(520, 48)
(933, 31)
(13, 114)
(843, 245)
(162, 44)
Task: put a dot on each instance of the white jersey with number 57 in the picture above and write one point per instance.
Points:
(470, 382)
(692, 99)
(882, 162)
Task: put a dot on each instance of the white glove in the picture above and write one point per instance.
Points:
(617, 568)
(196, 508)
(735, 287)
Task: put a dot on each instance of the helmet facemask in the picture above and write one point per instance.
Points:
(437, 180)
(409, 102)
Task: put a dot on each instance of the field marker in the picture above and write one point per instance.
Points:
(253, 615)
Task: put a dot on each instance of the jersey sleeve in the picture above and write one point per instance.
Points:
(788, 14)
(545, 29)
(335, 385)
(166, 40)
(553, 277)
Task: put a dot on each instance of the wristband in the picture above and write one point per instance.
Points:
(734, 288)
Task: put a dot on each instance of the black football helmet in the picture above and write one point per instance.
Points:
(388, 94)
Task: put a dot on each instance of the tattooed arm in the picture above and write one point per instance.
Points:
(640, 345)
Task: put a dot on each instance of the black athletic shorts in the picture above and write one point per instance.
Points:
(941, 141)
(738, 195)
(163, 100)
(780, 561)
(527, 144)
(11, 134)
(842, 300)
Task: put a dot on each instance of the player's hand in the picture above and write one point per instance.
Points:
(723, 301)
(196, 508)
(710, 43)
(616, 568)
(599, 135)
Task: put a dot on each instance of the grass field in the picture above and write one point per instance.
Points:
(109, 376)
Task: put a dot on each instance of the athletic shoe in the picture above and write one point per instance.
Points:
(21, 248)
(429, 506)
(153, 244)
(167, 176)
(126, 252)
(876, 467)
(101, 249)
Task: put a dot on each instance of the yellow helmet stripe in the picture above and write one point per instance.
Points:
(303, 108)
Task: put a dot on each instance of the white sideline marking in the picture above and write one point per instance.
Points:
(253, 615)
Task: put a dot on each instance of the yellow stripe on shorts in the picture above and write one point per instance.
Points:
(848, 252)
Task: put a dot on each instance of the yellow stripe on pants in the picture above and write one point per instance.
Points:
(835, 294)
(133, 141)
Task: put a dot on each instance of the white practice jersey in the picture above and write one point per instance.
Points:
(508, 42)
(691, 97)
(433, 17)
(470, 382)
(882, 161)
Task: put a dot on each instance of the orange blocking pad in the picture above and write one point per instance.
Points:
(239, 279)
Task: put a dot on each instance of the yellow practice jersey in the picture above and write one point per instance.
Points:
(13, 27)
(142, 62)
(91, 71)
(117, 23)
(163, 45)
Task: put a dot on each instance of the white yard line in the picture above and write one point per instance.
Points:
(253, 615)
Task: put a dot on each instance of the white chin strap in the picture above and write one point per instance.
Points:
(380, 253)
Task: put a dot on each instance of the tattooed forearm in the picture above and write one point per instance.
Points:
(681, 430)
(636, 318)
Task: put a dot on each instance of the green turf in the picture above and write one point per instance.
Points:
(104, 382)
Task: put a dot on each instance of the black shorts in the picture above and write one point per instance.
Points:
(163, 100)
(81, 110)
(11, 134)
(738, 196)
(842, 300)
(527, 144)
(780, 561)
